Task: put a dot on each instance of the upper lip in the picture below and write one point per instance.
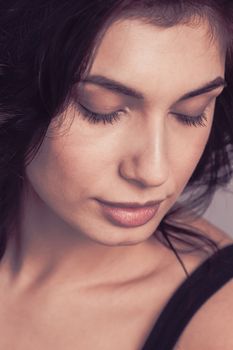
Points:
(131, 204)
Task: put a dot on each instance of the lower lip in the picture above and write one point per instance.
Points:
(129, 217)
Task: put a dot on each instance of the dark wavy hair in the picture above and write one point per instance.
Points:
(46, 47)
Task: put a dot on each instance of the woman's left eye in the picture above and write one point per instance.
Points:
(94, 118)
(196, 121)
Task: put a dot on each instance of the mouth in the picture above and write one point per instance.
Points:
(129, 214)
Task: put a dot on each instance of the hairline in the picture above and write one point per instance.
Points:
(192, 17)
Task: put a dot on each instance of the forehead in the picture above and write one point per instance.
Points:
(154, 59)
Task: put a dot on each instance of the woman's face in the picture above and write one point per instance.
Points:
(152, 93)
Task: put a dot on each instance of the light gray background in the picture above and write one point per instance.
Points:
(220, 211)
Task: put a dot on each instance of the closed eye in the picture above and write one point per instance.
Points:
(110, 118)
(94, 117)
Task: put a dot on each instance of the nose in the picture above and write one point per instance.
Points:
(145, 162)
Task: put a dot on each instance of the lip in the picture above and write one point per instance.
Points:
(130, 204)
(129, 214)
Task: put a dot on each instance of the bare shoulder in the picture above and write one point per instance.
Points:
(211, 326)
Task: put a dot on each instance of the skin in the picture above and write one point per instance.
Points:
(148, 154)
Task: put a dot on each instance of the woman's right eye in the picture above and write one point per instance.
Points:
(95, 118)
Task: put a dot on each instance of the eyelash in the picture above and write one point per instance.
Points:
(96, 117)
(115, 116)
(196, 121)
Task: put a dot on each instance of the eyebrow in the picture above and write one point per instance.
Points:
(120, 88)
(113, 85)
(212, 85)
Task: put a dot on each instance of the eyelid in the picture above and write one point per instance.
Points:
(110, 111)
(90, 99)
(190, 115)
(205, 101)
(185, 115)
(203, 109)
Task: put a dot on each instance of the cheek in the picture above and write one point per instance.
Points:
(187, 154)
(69, 168)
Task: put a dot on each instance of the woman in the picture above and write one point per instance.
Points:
(116, 128)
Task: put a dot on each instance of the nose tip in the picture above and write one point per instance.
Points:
(145, 172)
(146, 161)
